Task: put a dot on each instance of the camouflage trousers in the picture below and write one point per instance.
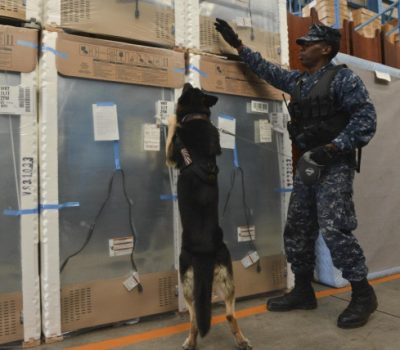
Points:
(326, 207)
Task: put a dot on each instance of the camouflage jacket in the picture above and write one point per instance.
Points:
(347, 89)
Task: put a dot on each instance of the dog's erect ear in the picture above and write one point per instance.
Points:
(186, 87)
(184, 98)
(210, 100)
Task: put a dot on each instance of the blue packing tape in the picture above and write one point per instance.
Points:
(57, 53)
(226, 116)
(192, 67)
(235, 157)
(168, 197)
(9, 212)
(116, 156)
(283, 189)
(27, 44)
(59, 206)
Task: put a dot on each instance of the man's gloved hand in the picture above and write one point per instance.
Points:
(228, 33)
(323, 155)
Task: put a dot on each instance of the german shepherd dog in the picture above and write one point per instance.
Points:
(192, 146)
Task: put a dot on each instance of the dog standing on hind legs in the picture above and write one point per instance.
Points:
(192, 146)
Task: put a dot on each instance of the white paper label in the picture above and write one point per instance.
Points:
(163, 110)
(105, 122)
(17, 100)
(246, 233)
(120, 246)
(250, 259)
(383, 76)
(243, 22)
(151, 137)
(265, 131)
(278, 121)
(227, 128)
(132, 281)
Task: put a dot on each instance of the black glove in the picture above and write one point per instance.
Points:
(228, 33)
(322, 155)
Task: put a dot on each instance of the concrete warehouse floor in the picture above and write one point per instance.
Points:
(295, 330)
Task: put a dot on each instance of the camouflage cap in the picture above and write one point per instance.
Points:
(319, 32)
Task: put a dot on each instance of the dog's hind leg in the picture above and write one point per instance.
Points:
(228, 290)
(191, 340)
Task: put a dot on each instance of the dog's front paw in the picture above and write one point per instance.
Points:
(245, 345)
(189, 344)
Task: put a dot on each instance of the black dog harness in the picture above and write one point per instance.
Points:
(194, 116)
(205, 169)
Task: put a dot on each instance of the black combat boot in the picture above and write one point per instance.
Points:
(302, 296)
(363, 303)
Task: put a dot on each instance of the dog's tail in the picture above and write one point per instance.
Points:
(203, 271)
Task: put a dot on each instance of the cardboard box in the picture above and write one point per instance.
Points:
(387, 27)
(142, 21)
(326, 11)
(11, 310)
(13, 9)
(18, 49)
(360, 16)
(100, 59)
(234, 78)
(266, 43)
(19, 275)
(21, 10)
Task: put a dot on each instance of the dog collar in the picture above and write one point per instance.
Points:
(194, 116)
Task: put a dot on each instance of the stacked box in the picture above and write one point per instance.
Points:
(84, 80)
(247, 103)
(147, 21)
(387, 27)
(19, 275)
(326, 11)
(360, 16)
(261, 25)
(21, 10)
(256, 24)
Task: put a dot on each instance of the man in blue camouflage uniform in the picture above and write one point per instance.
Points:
(331, 116)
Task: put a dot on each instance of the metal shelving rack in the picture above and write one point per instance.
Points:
(383, 8)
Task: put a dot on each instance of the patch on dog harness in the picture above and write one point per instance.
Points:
(186, 156)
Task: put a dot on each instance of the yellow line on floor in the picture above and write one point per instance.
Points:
(182, 327)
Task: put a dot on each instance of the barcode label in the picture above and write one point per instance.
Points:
(27, 100)
(21, 97)
(16, 100)
(257, 107)
(261, 107)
